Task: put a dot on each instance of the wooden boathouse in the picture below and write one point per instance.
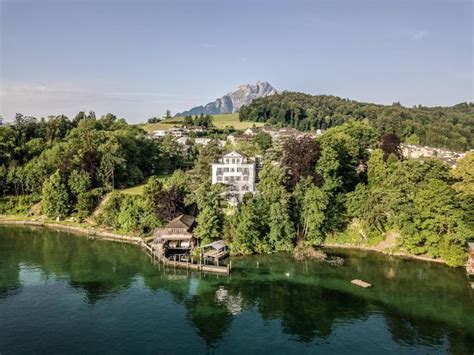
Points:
(214, 252)
(173, 246)
(176, 240)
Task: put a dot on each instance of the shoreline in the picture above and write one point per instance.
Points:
(384, 252)
(90, 231)
(101, 234)
(126, 239)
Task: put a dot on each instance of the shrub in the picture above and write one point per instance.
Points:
(18, 205)
(86, 202)
(108, 214)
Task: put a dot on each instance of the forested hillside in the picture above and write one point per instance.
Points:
(444, 127)
(70, 164)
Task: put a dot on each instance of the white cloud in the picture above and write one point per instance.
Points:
(418, 35)
(42, 100)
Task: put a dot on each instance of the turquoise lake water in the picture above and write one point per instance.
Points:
(61, 293)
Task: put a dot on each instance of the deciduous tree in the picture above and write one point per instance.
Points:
(55, 197)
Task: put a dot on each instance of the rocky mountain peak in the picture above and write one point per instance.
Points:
(234, 100)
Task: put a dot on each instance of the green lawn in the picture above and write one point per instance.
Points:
(135, 190)
(220, 121)
(138, 190)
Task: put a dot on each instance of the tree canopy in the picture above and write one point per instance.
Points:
(448, 127)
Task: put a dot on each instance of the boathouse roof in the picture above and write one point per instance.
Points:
(183, 221)
(218, 244)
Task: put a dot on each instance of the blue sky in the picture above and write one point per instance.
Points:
(139, 58)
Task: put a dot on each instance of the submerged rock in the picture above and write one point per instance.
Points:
(335, 260)
(305, 251)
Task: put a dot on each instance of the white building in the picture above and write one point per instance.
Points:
(238, 172)
(199, 141)
(175, 132)
(178, 132)
(159, 133)
(415, 152)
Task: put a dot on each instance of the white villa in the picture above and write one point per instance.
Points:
(238, 171)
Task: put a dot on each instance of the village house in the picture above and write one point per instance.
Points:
(186, 142)
(416, 151)
(238, 172)
(176, 132)
(279, 135)
(197, 129)
(235, 138)
(251, 131)
(205, 141)
(159, 133)
(175, 241)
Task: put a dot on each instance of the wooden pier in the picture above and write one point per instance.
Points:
(155, 256)
(361, 283)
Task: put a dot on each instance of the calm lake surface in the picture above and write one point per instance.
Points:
(61, 293)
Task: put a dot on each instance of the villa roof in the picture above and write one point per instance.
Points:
(235, 152)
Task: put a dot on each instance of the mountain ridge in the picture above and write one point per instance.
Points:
(233, 100)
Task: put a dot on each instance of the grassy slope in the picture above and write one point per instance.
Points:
(220, 121)
(138, 190)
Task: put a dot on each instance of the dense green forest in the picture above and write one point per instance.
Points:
(441, 127)
(350, 185)
(72, 163)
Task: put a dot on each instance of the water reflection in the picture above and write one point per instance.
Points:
(421, 304)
